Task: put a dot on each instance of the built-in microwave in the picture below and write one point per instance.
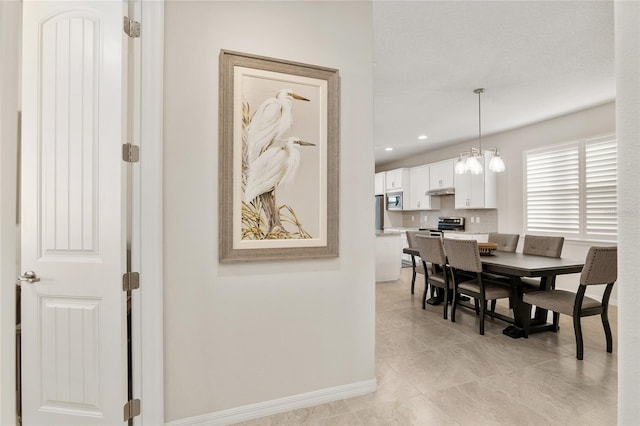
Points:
(394, 201)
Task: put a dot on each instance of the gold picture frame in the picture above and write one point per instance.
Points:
(278, 159)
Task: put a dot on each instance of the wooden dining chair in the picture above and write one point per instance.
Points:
(505, 242)
(600, 268)
(416, 264)
(416, 267)
(539, 245)
(464, 256)
(432, 251)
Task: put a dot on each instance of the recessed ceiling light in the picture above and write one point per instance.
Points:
(388, 149)
(422, 137)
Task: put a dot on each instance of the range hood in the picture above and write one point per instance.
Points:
(441, 191)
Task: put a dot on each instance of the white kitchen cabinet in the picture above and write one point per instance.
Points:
(388, 263)
(379, 183)
(419, 184)
(441, 174)
(477, 191)
(397, 180)
(404, 243)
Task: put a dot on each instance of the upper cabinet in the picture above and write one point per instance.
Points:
(477, 191)
(441, 174)
(419, 184)
(397, 180)
(379, 184)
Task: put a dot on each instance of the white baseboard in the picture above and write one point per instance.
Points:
(280, 405)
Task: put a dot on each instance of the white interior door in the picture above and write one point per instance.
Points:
(74, 359)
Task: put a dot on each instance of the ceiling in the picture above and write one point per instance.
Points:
(535, 59)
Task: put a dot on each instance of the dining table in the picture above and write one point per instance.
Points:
(515, 266)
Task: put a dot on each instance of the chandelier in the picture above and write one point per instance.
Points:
(472, 161)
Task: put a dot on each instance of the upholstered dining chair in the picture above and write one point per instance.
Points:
(600, 268)
(505, 242)
(463, 256)
(432, 251)
(538, 245)
(416, 265)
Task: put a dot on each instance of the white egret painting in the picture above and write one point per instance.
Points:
(278, 159)
(270, 162)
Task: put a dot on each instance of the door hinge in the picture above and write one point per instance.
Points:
(130, 153)
(131, 409)
(131, 27)
(130, 281)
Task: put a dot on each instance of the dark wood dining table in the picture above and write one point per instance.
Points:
(516, 266)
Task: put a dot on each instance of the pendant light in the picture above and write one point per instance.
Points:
(472, 161)
(496, 164)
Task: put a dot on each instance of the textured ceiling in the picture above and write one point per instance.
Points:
(536, 60)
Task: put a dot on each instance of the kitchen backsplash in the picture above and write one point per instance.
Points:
(429, 218)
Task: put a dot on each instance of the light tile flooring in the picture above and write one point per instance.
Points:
(435, 372)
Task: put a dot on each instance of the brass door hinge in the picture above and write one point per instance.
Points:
(131, 409)
(130, 153)
(131, 27)
(130, 281)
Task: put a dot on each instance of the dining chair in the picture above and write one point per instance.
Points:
(538, 245)
(416, 267)
(432, 251)
(464, 256)
(600, 268)
(505, 242)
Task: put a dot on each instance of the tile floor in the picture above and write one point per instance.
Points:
(435, 372)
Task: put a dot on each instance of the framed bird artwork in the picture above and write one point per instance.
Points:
(278, 159)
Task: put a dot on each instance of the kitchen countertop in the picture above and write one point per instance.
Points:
(386, 233)
(398, 229)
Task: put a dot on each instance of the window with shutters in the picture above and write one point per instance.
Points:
(571, 190)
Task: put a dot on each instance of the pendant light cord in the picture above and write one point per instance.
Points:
(479, 92)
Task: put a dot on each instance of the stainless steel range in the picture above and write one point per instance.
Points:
(447, 224)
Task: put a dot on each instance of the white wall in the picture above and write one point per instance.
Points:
(10, 18)
(627, 24)
(245, 333)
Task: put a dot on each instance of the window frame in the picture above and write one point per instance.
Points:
(581, 145)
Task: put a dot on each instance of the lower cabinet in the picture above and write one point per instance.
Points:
(402, 232)
(388, 262)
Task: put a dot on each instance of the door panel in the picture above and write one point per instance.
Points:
(69, 355)
(69, 134)
(74, 359)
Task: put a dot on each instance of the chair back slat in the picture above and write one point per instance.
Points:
(600, 266)
(505, 242)
(431, 249)
(463, 255)
(539, 245)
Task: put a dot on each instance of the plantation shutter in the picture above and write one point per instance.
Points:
(601, 189)
(553, 191)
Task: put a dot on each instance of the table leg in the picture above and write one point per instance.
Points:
(539, 322)
(516, 330)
